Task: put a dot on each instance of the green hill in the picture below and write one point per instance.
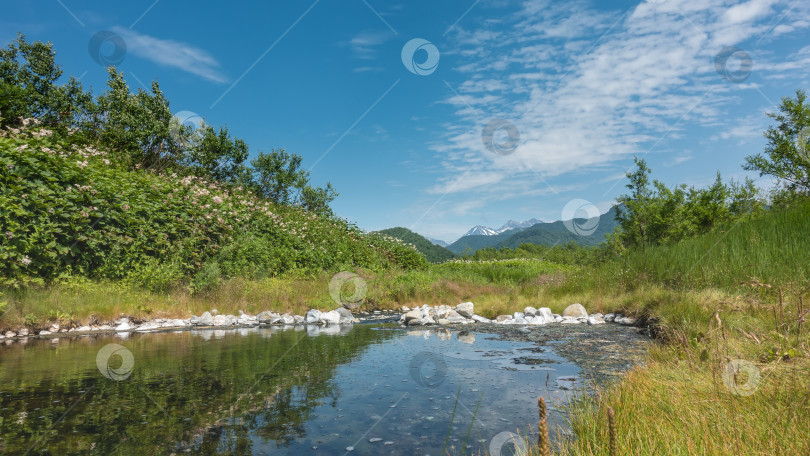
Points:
(553, 233)
(434, 253)
(556, 233)
(68, 211)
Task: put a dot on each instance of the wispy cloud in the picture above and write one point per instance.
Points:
(364, 45)
(171, 53)
(587, 88)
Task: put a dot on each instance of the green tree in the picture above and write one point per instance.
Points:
(787, 155)
(657, 214)
(633, 209)
(215, 154)
(278, 176)
(137, 126)
(28, 73)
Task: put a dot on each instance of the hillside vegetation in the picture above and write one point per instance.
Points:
(112, 187)
(434, 253)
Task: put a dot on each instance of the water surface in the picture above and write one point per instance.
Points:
(367, 389)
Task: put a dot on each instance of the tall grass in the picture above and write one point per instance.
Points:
(773, 248)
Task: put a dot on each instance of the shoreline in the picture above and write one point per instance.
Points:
(428, 317)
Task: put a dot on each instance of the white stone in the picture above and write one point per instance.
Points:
(536, 320)
(529, 311)
(330, 318)
(575, 310)
(545, 312)
(224, 320)
(124, 326)
(413, 315)
(610, 317)
(480, 319)
(313, 317)
(465, 309)
(595, 321)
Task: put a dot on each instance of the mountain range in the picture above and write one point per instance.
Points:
(480, 230)
(512, 234)
(586, 232)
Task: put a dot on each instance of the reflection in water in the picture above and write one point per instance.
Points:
(378, 389)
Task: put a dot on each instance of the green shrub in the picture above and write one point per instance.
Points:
(155, 275)
(206, 279)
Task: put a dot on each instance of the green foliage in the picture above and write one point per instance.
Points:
(154, 275)
(434, 253)
(139, 131)
(772, 247)
(657, 215)
(787, 155)
(404, 255)
(502, 272)
(70, 211)
(216, 155)
(570, 253)
(207, 279)
(278, 176)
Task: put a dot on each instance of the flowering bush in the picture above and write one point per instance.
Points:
(69, 211)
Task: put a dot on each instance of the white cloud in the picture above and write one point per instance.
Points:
(173, 54)
(586, 88)
(364, 45)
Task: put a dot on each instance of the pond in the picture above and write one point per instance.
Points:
(363, 389)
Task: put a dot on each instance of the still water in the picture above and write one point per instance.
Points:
(366, 389)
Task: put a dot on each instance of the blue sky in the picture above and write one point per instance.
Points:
(575, 88)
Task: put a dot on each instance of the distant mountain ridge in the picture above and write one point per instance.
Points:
(438, 242)
(434, 253)
(481, 230)
(582, 231)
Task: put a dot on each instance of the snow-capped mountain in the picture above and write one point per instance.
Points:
(512, 225)
(480, 230)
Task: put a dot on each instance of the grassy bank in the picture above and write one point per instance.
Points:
(733, 374)
(496, 287)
